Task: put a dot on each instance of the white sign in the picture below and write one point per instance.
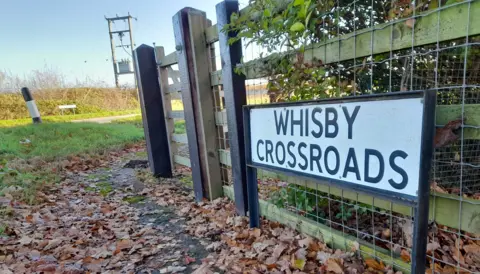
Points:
(371, 143)
(67, 106)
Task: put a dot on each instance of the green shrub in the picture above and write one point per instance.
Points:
(87, 100)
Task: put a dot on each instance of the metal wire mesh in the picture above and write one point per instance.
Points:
(449, 66)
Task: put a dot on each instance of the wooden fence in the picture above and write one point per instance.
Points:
(213, 98)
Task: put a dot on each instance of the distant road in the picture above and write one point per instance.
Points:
(105, 120)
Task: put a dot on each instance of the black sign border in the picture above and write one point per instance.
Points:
(426, 149)
(420, 203)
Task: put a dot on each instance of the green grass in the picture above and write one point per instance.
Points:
(180, 127)
(2, 230)
(54, 140)
(104, 188)
(66, 118)
(134, 199)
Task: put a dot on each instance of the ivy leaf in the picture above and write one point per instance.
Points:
(297, 27)
(308, 18)
(278, 19)
(298, 2)
(450, 2)
(267, 13)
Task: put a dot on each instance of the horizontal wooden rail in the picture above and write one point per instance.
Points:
(168, 60)
(176, 114)
(333, 238)
(225, 158)
(181, 160)
(388, 37)
(221, 118)
(211, 34)
(174, 88)
(216, 78)
(180, 138)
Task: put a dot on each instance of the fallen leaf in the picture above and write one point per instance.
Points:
(305, 242)
(374, 264)
(25, 240)
(448, 134)
(435, 187)
(256, 232)
(472, 248)
(334, 266)
(298, 264)
(53, 243)
(355, 246)
(188, 260)
(323, 257)
(46, 268)
(405, 255)
(122, 245)
(410, 23)
(204, 269)
(5, 270)
(277, 252)
(432, 246)
(386, 233)
(29, 218)
(173, 269)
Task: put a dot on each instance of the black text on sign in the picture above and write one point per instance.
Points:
(373, 143)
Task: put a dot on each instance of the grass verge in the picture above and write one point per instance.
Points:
(52, 143)
(54, 140)
(66, 118)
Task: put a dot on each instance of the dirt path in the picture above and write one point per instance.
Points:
(102, 221)
(104, 120)
(183, 252)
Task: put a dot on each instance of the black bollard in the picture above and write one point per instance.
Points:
(32, 107)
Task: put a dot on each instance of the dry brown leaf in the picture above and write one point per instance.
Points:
(334, 266)
(53, 243)
(355, 246)
(256, 232)
(447, 135)
(472, 248)
(122, 245)
(277, 252)
(374, 264)
(435, 187)
(29, 218)
(25, 240)
(305, 242)
(204, 269)
(432, 246)
(323, 257)
(386, 233)
(46, 268)
(405, 256)
(410, 23)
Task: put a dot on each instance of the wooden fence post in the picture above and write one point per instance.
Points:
(166, 99)
(193, 62)
(152, 111)
(235, 98)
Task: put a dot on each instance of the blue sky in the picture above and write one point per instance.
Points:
(63, 34)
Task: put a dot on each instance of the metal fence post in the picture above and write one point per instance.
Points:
(235, 98)
(193, 63)
(152, 111)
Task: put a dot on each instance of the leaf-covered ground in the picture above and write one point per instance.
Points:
(107, 218)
